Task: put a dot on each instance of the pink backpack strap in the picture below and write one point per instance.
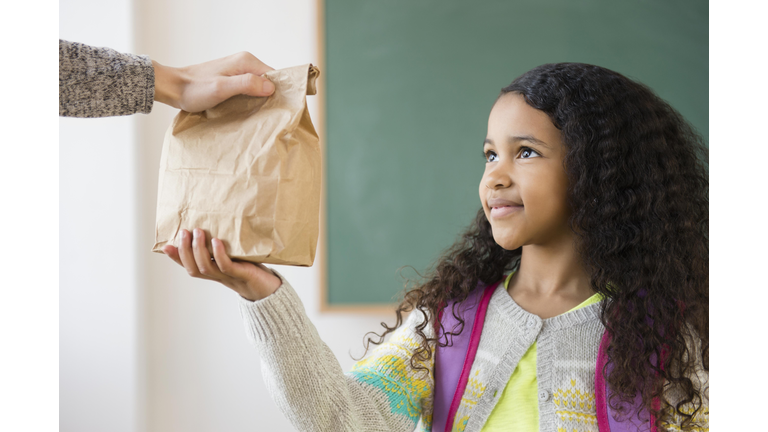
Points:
(605, 414)
(454, 362)
(601, 405)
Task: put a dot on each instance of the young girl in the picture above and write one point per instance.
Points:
(592, 243)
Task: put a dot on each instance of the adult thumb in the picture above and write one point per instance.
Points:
(249, 84)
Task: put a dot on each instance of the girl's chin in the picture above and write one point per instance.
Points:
(507, 243)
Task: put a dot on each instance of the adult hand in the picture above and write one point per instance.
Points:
(202, 86)
(251, 281)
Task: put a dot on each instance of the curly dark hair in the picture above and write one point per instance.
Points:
(639, 196)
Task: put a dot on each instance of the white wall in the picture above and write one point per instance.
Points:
(98, 309)
(144, 346)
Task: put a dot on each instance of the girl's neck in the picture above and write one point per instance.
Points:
(550, 279)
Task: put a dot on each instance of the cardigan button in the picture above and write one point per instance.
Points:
(544, 395)
(532, 322)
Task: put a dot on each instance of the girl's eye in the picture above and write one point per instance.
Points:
(527, 153)
(490, 156)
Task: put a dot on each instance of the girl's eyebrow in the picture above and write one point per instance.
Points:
(529, 138)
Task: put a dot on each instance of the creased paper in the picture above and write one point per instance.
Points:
(247, 172)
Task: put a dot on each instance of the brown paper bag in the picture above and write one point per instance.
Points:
(247, 172)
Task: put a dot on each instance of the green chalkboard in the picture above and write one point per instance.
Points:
(410, 84)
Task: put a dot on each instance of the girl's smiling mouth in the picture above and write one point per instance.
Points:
(501, 211)
(501, 207)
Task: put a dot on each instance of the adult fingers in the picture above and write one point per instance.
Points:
(245, 62)
(245, 76)
(203, 257)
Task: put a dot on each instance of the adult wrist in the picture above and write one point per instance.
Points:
(168, 84)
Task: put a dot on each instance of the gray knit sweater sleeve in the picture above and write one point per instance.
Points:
(304, 378)
(101, 82)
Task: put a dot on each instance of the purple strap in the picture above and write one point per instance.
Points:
(605, 415)
(453, 362)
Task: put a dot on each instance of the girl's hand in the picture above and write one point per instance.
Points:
(252, 281)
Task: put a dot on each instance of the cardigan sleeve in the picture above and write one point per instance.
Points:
(381, 393)
(101, 82)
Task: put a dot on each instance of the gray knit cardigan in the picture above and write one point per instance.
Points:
(383, 392)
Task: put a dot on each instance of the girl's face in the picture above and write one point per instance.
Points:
(524, 187)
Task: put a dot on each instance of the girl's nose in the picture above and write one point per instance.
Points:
(496, 185)
(497, 179)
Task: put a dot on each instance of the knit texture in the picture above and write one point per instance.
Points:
(517, 408)
(381, 393)
(384, 393)
(101, 82)
(566, 353)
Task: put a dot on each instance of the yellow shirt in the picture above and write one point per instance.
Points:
(518, 407)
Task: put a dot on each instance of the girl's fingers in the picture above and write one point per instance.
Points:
(186, 255)
(225, 264)
(202, 257)
(235, 270)
(172, 253)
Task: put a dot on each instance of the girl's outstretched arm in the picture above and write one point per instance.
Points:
(381, 393)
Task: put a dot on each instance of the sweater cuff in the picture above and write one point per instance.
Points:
(149, 94)
(280, 315)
